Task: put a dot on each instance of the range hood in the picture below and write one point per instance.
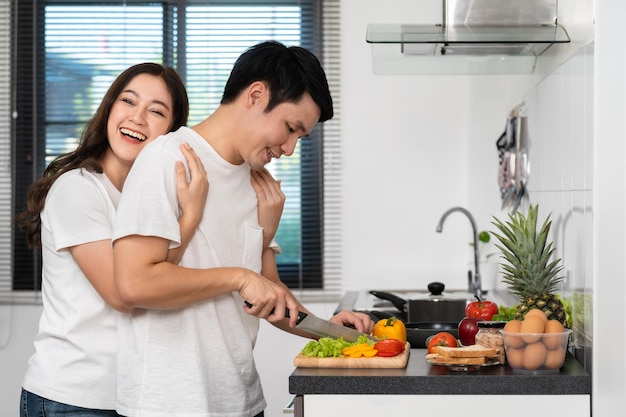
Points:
(473, 36)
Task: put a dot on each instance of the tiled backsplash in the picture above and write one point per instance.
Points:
(560, 126)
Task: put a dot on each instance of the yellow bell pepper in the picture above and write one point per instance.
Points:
(390, 328)
(370, 353)
(362, 349)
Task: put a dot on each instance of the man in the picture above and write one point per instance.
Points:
(190, 351)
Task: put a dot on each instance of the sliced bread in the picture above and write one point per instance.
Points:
(473, 351)
(438, 359)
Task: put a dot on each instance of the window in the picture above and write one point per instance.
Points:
(68, 52)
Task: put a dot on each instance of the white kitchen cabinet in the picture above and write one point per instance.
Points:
(461, 405)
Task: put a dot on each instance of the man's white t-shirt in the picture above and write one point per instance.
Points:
(75, 348)
(197, 360)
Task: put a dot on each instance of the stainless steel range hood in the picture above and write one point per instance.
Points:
(474, 36)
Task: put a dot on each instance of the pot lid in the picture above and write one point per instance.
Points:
(436, 293)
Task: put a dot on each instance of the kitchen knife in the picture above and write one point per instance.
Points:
(324, 328)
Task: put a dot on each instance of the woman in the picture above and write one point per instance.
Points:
(70, 213)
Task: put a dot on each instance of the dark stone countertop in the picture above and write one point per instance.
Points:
(422, 378)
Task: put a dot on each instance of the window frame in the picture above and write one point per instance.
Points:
(28, 152)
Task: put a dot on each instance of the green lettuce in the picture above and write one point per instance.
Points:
(328, 347)
(505, 313)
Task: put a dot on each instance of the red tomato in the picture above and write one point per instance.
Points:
(389, 347)
(481, 309)
(441, 339)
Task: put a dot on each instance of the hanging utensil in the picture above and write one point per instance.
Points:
(521, 164)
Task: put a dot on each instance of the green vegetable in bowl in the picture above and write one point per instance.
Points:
(505, 313)
(581, 307)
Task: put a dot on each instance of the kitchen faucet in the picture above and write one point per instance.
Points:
(474, 285)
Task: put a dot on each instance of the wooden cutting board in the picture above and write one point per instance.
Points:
(398, 361)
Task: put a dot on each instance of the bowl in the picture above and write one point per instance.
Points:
(536, 353)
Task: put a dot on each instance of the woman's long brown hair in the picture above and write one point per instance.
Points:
(94, 143)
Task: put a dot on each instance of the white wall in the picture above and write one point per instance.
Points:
(412, 147)
(609, 218)
(18, 327)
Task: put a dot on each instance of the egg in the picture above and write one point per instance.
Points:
(532, 324)
(535, 312)
(554, 338)
(554, 326)
(512, 326)
(535, 355)
(515, 357)
(554, 358)
(512, 340)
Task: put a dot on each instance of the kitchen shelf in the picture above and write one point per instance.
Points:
(440, 50)
(440, 34)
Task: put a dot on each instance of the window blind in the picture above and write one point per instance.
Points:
(216, 36)
(86, 47)
(5, 149)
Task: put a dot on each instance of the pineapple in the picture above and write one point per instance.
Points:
(528, 271)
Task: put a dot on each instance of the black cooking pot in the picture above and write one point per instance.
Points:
(435, 307)
(418, 332)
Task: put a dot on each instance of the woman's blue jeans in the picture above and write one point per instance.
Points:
(32, 405)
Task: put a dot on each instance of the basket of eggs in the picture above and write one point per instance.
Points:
(535, 345)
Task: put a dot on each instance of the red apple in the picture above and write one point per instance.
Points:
(467, 331)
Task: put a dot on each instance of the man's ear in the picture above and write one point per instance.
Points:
(257, 91)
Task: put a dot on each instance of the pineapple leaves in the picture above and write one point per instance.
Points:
(527, 269)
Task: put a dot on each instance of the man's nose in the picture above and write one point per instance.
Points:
(289, 147)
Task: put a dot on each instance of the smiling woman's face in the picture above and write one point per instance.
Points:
(141, 112)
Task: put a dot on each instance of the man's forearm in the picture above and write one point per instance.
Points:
(144, 279)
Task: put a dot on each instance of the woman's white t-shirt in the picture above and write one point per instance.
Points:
(75, 349)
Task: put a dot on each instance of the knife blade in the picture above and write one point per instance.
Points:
(324, 328)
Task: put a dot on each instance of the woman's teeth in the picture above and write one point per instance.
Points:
(133, 134)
